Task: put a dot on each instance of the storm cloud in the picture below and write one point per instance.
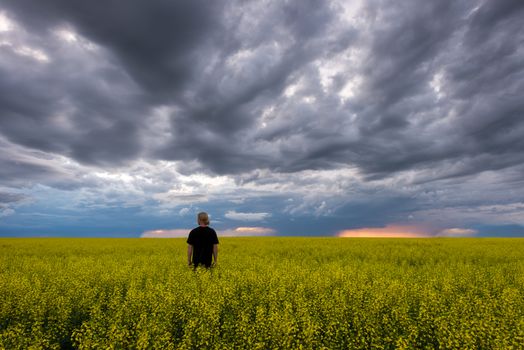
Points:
(306, 107)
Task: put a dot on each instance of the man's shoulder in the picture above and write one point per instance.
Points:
(202, 229)
(197, 231)
(211, 230)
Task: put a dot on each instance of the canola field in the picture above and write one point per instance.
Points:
(265, 293)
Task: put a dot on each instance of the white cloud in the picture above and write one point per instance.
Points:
(67, 35)
(175, 198)
(457, 232)
(19, 48)
(233, 215)
(5, 23)
(247, 231)
(183, 211)
(27, 51)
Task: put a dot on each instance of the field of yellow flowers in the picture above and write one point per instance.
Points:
(265, 293)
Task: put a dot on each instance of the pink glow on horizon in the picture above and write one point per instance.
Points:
(233, 232)
(166, 233)
(393, 231)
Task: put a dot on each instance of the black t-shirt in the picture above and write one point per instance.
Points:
(202, 239)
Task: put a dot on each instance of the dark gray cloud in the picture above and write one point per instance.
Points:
(6, 197)
(433, 87)
(401, 113)
(9, 200)
(69, 106)
(218, 123)
(91, 105)
(154, 41)
(403, 124)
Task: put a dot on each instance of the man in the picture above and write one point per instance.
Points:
(202, 243)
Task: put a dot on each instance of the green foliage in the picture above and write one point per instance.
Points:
(266, 293)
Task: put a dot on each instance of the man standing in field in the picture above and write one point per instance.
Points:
(202, 243)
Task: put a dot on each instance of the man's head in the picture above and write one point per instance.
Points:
(203, 219)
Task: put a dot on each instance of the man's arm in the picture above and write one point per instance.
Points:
(189, 253)
(215, 253)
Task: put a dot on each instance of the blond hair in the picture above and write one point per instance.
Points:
(203, 218)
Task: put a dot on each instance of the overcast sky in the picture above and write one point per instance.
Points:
(301, 117)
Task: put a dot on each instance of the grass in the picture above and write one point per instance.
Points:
(266, 293)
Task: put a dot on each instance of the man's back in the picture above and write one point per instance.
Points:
(202, 239)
